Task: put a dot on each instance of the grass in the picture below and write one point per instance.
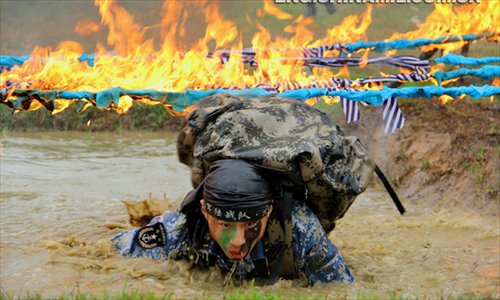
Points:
(135, 295)
(140, 117)
(474, 162)
(426, 165)
(249, 294)
(401, 156)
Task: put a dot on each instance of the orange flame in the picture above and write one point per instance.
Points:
(352, 28)
(447, 19)
(136, 63)
(445, 99)
(272, 10)
(86, 27)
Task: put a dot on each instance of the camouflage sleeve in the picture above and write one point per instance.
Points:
(315, 255)
(157, 240)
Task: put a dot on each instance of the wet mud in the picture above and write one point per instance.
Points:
(62, 198)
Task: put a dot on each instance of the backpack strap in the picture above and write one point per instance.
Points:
(390, 190)
(279, 234)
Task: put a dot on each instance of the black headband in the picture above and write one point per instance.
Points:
(236, 191)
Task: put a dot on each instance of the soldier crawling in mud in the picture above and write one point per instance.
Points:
(232, 221)
(272, 175)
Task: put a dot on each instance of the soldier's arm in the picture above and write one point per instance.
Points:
(316, 255)
(157, 240)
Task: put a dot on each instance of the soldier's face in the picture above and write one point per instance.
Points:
(236, 239)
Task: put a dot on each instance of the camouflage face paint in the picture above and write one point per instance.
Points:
(226, 236)
(250, 235)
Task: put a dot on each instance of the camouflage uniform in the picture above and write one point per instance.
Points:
(316, 258)
(297, 142)
(319, 170)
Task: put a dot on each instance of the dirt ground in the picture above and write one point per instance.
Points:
(446, 155)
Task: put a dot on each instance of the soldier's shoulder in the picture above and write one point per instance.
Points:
(303, 218)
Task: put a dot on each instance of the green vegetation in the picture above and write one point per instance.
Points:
(249, 294)
(474, 162)
(126, 295)
(401, 156)
(426, 165)
(140, 117)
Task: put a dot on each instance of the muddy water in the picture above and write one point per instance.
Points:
(61, 202)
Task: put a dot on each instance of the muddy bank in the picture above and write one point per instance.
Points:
(139, 117)
(445, 156)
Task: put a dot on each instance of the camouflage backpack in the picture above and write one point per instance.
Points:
(299, 143)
